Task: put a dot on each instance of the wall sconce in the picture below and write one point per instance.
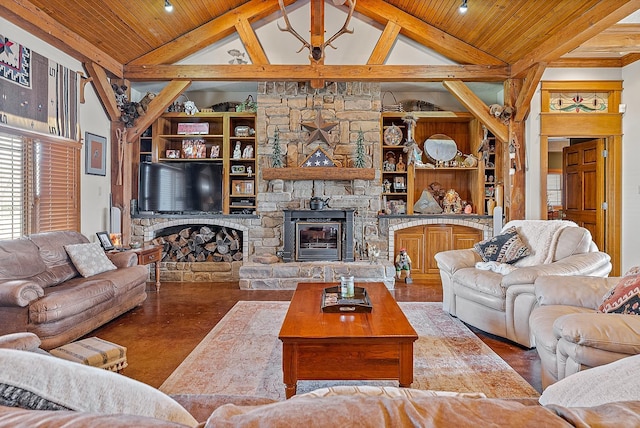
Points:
(169, 7)
(463, 6)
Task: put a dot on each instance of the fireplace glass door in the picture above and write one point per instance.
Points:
(318, 241)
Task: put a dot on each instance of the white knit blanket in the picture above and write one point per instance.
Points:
(541, 236)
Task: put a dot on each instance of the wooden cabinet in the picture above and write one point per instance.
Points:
(225, 137)
(467, 179)
(423, 242)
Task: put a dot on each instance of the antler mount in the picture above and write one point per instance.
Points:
(317, 52)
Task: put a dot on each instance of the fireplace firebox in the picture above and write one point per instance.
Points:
(318, 235)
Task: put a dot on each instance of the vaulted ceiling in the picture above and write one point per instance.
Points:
(139, 40)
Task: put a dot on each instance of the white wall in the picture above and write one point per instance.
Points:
(630, 171)
(94, 196)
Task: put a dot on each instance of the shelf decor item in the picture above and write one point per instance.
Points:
(241, 187)
(392, 135)
(195, 128)
(441, 148)
(395, 106)
(248, 105)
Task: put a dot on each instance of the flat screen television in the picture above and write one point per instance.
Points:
(180, 187)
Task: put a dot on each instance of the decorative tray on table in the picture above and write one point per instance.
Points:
(333, 302)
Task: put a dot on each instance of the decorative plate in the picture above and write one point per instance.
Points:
(441, 147)
(392, 135)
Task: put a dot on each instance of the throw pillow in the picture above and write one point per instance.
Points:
(624, 298)
(616, 381)
(504, 248)
(35, 381)
(89, 259)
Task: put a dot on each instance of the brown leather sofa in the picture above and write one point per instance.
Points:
(42, 292)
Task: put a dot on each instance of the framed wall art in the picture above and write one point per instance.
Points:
(95, 149)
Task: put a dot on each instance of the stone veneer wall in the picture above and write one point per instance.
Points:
(353, 106)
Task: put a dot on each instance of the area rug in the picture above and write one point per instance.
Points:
(242, 355)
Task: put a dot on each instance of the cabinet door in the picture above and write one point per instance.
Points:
(466, 239)
(438, 238)
(423, 242)
(413, 240)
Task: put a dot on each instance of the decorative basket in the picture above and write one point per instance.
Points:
(248, 105)
(396, 106)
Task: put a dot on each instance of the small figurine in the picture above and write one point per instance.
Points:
(215, 151)
(247, 153)
(386, 184)
(249, 171)
(403, 262)
(400, 166)
(237, 152)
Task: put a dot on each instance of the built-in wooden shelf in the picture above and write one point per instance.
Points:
(318, 173)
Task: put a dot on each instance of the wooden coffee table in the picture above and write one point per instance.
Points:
(345, 346)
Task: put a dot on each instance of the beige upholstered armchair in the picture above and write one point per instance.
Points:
(499, 297)
(571, 335)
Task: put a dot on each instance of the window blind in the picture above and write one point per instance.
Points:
(39, 185)
(12, 202)
(57, 205)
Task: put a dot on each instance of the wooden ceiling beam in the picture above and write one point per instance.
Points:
(600, 17)
(385, 43)
(209, 33)
(478, 108)
(32, 19)
(629, 59)
(157, 106)
(585, 63)
(251, 42)
(425, 34)
(103, 89)
(617, 39)
(528, 89)
(300, 72)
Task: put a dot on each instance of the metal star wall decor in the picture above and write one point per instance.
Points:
(319, 129)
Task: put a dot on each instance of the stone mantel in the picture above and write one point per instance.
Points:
(318, 173)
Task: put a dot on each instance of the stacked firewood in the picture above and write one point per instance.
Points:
(201, 244)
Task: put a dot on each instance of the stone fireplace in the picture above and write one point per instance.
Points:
(318, 235)
(333, 239)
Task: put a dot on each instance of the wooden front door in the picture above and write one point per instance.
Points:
(584, 181)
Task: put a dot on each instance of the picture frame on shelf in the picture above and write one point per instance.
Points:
(95, 154)
(399, 184)
(241, 187)
(105, 241)
(194, 149)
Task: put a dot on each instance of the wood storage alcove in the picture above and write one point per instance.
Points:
(200, 243)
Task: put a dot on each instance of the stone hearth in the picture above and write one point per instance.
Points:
(286, 276)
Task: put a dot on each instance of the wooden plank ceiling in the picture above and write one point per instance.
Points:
(122, 35)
